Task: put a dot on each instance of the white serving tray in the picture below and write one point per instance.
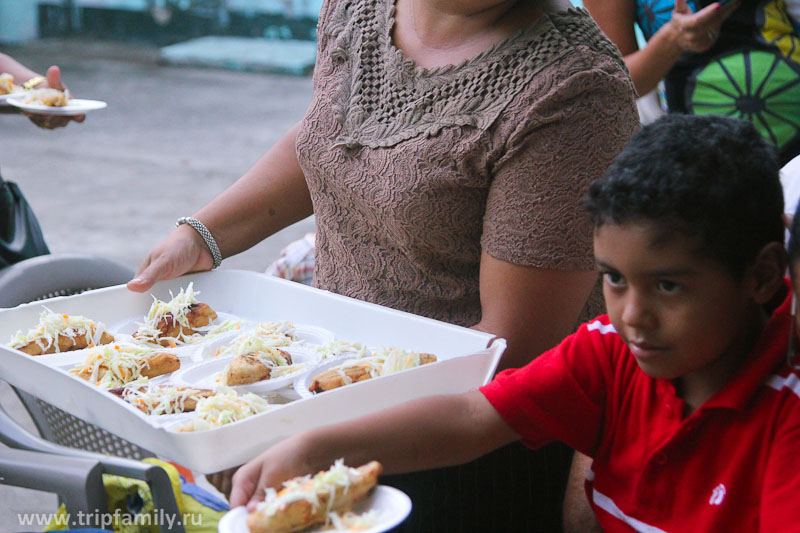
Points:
(464, 363)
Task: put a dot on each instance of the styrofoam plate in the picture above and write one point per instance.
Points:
(306, 334)
(75, 106)
(306, 340)
(63, 359)
(79, 356)
(390, 504)
(4, 97)
(207, 374)
(128, 326)
(303, 381)
(166, 420)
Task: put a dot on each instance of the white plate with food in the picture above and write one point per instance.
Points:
(15, 94)
(75, 106)
(389, 505)
(210, 374)
(300, 338)
(345, 370)
(302, 382)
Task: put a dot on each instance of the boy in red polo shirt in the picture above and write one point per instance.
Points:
(683, 394)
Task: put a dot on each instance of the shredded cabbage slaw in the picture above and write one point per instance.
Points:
(121, 362)
(161, 399)
(263, 343)
(51, 325)
(226, 407)
(337, 348)
(178, 307)
(384, 362)
(310, 488)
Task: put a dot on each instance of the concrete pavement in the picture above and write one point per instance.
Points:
(169, 141)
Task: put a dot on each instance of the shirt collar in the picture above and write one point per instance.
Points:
(768, 355)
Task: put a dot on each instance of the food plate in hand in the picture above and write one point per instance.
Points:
(75, 106)
(391, 506)
(4, 97)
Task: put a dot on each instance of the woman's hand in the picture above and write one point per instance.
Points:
(697, 32)
(182, 251)
(50, 122)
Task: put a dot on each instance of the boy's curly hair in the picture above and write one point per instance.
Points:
(708, 177)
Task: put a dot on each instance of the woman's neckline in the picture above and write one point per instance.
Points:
(408, 63)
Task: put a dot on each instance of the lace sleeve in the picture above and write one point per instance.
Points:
(534, 214)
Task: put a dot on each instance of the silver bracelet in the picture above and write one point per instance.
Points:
(201, 228)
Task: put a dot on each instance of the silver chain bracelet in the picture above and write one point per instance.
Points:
(201, 228)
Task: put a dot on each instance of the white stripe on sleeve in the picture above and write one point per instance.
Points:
(608, 505)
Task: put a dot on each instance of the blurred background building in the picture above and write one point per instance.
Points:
(253, 35)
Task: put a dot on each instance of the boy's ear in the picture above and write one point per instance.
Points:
(768, 272)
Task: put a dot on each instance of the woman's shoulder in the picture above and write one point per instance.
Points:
(574, 60)
(583, 41)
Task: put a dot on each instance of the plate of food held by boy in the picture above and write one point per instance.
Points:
(341, 498)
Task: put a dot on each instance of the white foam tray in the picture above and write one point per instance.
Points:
(464, 363)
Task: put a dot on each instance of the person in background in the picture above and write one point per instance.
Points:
(684, 394)
(737, 58)
(23, 76)
(20, 234)
(444, 156)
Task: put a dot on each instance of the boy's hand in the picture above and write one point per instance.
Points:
(50, 122)
(270, 469)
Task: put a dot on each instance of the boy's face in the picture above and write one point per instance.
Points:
(683, 316)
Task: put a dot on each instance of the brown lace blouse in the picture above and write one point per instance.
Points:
(413, 171)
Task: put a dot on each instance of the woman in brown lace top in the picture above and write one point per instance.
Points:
(444, 154)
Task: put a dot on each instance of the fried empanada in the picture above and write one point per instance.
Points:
(65, 344)
(150, 397)
(249, 368)
(198, 315)
(353, 373)
(297, 512)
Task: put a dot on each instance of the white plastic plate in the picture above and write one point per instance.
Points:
(207, 374)
(130, 325)
(75, 106)
(391, 505)
(307, 338)
(4, 97)
(303, 381)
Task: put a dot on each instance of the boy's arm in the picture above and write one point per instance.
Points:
(426, 433)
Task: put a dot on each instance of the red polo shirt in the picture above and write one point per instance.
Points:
(732, 465)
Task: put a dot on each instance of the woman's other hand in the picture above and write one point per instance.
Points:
(697, 32)
(50, 122)
(182, 251)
